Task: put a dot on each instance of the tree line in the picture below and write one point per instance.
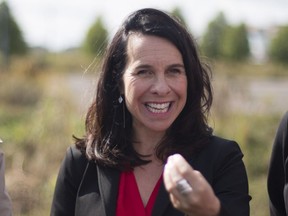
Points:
(220, 40)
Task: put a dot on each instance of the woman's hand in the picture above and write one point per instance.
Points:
(188, 189)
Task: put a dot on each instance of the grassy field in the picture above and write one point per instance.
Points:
(41, 108)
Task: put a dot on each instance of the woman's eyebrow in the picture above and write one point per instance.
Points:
(176, 65)
(144, 66)
(147, 66)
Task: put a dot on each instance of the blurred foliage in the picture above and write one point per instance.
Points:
(224, 41)
(235, 45)
(11, 38)
(212, 42)
(96, 38)
(278, 50)
(248, 69)
(38, 117)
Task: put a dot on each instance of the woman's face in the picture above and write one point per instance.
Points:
(154, 81)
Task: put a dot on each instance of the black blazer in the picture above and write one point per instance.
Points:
(278, 171)
(83, 188)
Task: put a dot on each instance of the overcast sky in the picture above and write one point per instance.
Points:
(60, 24)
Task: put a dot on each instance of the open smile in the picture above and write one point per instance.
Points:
(158, 107)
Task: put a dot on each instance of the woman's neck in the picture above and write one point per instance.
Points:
(145, 142)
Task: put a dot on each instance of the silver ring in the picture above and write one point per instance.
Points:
(183, 186)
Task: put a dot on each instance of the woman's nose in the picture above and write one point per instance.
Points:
(161, 86)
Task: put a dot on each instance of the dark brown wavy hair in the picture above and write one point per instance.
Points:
(109, 124)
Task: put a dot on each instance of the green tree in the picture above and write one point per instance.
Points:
(213, 37)
(96, 39)
(278, 48)
(235, 43)
(11, 38)
(177, 12)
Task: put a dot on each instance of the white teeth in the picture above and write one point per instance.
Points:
(157, 107)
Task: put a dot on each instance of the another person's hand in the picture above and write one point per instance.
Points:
(189, 191)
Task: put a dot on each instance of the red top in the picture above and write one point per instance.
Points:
(129, 201)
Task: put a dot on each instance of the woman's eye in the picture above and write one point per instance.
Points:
(143, 72)
(176, 71)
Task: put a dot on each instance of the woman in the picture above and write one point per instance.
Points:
(152, 101)
(278, 170)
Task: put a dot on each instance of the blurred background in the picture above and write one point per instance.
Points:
(50, 56)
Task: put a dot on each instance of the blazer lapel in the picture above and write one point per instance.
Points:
(108, 181)
(162, 201)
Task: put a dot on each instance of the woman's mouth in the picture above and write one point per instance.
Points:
(158, 107)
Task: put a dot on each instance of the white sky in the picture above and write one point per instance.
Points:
(60, 24)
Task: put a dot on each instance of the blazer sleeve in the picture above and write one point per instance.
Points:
(231, 182)
(221, 164)
(277, 181)
(68, 180)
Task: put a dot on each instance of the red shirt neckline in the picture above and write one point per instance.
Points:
(129, 202)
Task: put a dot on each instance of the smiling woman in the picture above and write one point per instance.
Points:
(148, 149)
(154, 84)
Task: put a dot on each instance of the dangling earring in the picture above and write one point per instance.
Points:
(120, 99)
(124, 117)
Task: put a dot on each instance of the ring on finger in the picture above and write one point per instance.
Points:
(183, 186)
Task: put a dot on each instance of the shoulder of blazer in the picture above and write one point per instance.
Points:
(85, 172)
(218, 150)
(222, 146)
(76, 163)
